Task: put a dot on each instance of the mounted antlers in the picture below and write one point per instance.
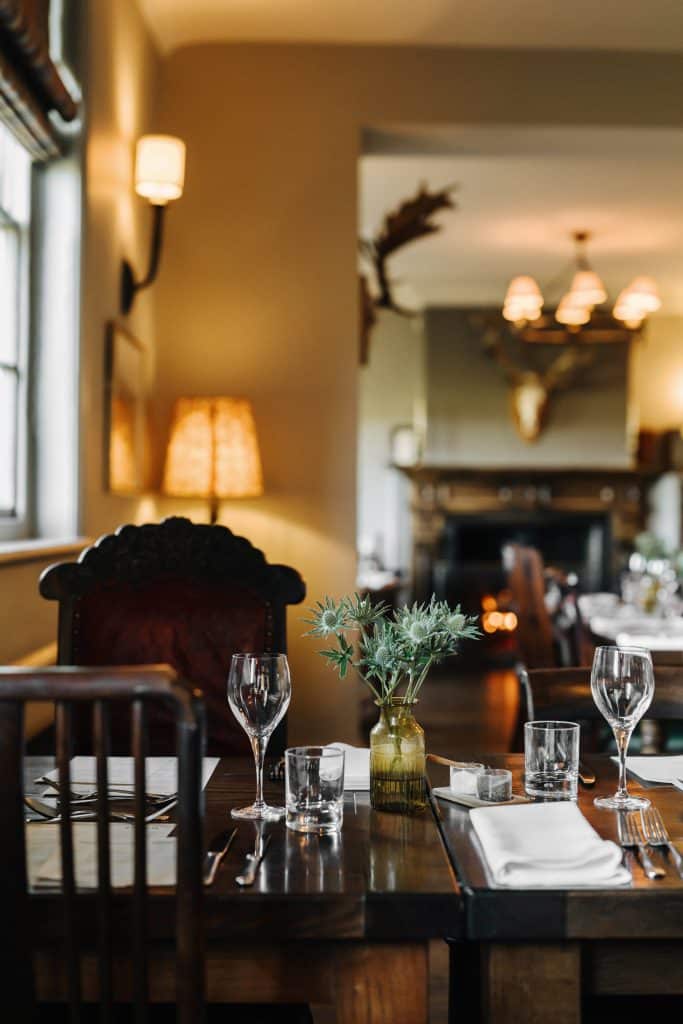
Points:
(531, 389)
(410, 221)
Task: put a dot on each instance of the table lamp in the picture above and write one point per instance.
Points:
(212, 451)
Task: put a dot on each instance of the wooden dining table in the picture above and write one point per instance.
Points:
(345, 921)
(531, 956)
(342, 920)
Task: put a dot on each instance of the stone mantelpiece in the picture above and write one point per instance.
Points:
(440, 492)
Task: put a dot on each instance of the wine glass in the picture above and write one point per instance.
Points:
(259, 691)
(623, 685)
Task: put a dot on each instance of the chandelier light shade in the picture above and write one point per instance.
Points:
(571, 313)
(642, 295)
(160, 168)
(213, 451)
(581, 314)
(587, 289)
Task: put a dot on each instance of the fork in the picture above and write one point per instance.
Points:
(631, 835)
(48, 816)
(657, 835)
(114, 792)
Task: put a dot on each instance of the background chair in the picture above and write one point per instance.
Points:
(186, 594)
(86, 923)
(565, 694)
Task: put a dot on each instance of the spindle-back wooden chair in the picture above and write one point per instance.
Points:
(92, 922)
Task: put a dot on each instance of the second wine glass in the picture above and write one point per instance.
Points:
(259, 691)
(623, 685)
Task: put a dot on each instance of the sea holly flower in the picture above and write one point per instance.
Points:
(328, 619)
(361, 612)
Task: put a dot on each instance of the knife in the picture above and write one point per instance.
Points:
(218, 847)
(586, 776)
(251, 864)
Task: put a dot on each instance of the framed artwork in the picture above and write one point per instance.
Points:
(127, 424)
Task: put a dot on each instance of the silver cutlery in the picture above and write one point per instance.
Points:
(218, 847)
(631, 836)
(50, 815)
(657, 834)
(252, 862)
(114, 792)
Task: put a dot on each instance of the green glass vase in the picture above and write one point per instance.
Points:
(397, 761)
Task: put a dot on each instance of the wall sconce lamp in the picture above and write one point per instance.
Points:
(213, 452)
(159, 178)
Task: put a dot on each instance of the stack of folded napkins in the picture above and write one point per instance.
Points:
(356, 766)
(548, 845)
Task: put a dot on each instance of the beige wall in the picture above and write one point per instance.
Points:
(657, 374)
(258, 291)
(120, 79)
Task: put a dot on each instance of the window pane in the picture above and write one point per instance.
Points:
(9, 253)
(8, 441)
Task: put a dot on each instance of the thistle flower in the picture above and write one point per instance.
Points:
(328, 619)
(361, 612)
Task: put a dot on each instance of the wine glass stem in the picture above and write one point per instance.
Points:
(259, 745)
(622, 736)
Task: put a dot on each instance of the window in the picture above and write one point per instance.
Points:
(15, 212)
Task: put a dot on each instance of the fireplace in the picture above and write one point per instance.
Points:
(581, 520)
(468, 559)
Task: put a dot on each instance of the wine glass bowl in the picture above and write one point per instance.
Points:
(623, 685)
(259, 692)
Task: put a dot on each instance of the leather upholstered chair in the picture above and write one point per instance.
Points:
(185, 594)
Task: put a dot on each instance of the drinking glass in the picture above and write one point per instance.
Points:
(314, 786)
(259, 691)
(623, 685)
(494, 785)
(551, 760)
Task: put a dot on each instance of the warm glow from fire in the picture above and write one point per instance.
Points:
(493, 620)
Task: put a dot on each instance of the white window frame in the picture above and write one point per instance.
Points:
(15, 524)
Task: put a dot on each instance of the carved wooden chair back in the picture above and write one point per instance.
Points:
(565, 694)
(186, 594)
(88, 922)
(534, 625)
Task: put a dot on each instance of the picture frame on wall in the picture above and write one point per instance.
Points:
(127, 426)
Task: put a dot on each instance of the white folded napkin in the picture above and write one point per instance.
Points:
(161, 773)
(44, 858)
(664, 770)
(356, 766)
(548, 845)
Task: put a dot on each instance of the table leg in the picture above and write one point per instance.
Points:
(382, 984)
(531, 983)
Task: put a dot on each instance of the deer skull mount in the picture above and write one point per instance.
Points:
(531, 390)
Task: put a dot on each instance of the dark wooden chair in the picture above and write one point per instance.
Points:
(565, 694)
(526, 583)
(186, 594)
(69, 925)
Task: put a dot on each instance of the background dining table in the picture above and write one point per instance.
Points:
(341, 920)
(538, 952)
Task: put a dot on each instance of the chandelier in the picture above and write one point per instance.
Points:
(580, 314)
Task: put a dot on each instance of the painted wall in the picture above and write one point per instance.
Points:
(258, 292)
(119, 71)
(391, 394)
(469, 419)
(657, 374)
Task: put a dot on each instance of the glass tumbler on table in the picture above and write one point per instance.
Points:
(551, 760)
(623, 685)
(314, 787)
(259, 691)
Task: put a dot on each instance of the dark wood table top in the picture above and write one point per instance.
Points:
(652, 909)
(385, 876)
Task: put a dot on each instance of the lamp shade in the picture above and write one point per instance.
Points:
(570, 313)
(587, 289)
(640, 295)
(213, 450)
(160, 168)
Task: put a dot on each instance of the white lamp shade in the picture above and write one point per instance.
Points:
(641, 295)
(570, 313)
(524, 290)
(587, 289)
(516, 311)
(160, 168)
